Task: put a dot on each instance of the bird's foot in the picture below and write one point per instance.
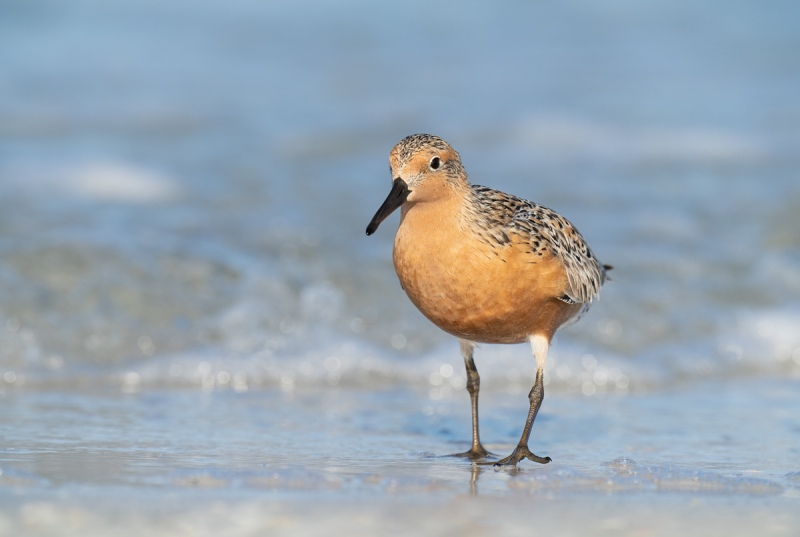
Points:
(519, 453)
(475, 453)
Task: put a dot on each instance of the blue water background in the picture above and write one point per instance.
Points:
(184, 188)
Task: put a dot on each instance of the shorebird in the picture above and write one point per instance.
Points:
(484, 266)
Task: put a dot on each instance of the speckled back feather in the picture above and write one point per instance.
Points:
(501, 214)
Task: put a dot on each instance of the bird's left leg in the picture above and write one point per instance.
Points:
(539, 345)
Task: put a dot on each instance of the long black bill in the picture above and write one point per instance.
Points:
(397, 196)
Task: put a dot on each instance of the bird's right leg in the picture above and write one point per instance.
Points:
(477, 451)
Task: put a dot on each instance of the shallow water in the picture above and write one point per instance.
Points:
(196, 336)
(366, 461)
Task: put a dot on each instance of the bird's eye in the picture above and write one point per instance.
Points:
(435, 163)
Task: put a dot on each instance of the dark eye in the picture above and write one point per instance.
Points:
(435, 163)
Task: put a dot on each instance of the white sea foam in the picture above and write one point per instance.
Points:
(111, 181)
(568, 137)
(100, 180)
(768, 339)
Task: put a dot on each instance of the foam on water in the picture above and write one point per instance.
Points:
(99, 181)
(560, 138)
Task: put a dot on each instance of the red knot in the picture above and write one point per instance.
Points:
(485, 266)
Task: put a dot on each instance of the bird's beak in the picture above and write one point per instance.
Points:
(397, 196)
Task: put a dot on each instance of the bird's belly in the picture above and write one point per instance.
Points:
(485, 294)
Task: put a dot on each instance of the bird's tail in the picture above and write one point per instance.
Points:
(606, 269)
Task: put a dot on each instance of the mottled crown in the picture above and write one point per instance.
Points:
(421, 147)
(415, 143)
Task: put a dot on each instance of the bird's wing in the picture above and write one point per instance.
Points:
(548, 230)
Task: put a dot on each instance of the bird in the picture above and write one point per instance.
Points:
(485, 266)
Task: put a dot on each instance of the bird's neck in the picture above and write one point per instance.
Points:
(436, 201)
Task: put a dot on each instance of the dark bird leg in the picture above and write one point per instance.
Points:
(521, 451)
(540, 346)
(477, 451)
